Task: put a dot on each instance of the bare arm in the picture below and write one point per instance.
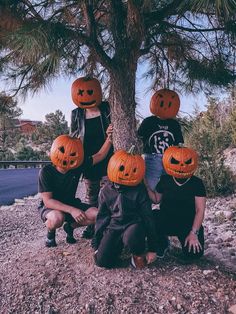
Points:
(200, 205)
(192, 239)
(102, 153)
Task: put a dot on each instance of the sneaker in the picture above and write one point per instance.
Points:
(50, 243)
(69, 233)
(155, 206)
(138, 262)
(88, 232)
(162, 249)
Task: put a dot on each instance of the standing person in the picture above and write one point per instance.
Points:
(125, 216)
(89, 122)
(158, 132)
(58, 184)
(182, 198)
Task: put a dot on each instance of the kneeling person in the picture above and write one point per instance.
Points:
(182, 199)
(125, 215)
(58, 184)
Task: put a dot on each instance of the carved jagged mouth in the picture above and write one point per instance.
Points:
(89, 103)
(180, 172)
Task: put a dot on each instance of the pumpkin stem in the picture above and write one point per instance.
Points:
(181, 145)
(131, 150)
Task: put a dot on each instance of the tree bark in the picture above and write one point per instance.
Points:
(122, 101)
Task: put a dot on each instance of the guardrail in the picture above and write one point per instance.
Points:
(24, 163)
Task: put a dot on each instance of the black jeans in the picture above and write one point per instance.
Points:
(113, 241)
(181, 231)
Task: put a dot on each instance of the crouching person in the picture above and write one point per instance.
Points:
(182, 199)
(58, 184)
(125, 216)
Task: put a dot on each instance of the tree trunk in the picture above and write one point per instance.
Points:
(122, 101)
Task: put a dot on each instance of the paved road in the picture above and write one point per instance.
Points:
(17, 183)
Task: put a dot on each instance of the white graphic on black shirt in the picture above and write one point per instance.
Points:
(160, 141)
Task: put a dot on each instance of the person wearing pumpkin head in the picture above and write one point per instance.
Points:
(158, 132)
(182, 198)
(89, 122)
(125, 215)
(58, 185)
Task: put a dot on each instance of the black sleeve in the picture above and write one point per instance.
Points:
(73, 122)
(102, 220)
(44, 181)
(178, 134)
(200, 188)
(142, 130)
(148, 219)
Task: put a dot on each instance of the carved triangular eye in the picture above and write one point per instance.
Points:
(188, 162)
(174, 161)
(80, 92)
(72, 162)
(90, 92)
(170, 103)
(160, 95)
(162, 103)
(134, 170)
(62, 149)
(64, 162)
(73, 154)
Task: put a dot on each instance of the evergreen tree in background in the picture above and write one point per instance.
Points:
(8, 133)
(55, 124)
(184, 45)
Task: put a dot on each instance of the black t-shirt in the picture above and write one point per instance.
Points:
(158, 134)
(62, 186)
(94, 138)
(177, 206)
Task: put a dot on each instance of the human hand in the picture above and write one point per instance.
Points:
(151, 257)
(193, 243)
(78, 215)
(109, 132)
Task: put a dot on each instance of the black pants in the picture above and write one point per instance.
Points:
(181, 231)
(113, 241)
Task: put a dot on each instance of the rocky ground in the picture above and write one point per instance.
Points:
(34, 279)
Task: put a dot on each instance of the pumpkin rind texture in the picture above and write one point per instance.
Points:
(165, 104)
(180, 162)
(86, 92)
(67, 152)
(125, 168)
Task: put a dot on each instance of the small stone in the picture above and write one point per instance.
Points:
(228, 214)
(207, 272)
(179, 307)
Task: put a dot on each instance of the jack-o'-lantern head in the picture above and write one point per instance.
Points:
(126, 168)
(67, 152)
(86, 92)
(180, 162)
(165, 104)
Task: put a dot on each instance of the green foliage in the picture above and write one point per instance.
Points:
(210, 136)
(54, 126)
(8, 135)
(27, 153)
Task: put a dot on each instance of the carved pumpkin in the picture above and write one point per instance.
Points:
(67, 152)
(86, 92)
(180, 162)
(126, 168)
(165, 104)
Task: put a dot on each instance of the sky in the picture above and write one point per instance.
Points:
(58, 96)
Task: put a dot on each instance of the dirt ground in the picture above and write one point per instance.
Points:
(35, 279)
